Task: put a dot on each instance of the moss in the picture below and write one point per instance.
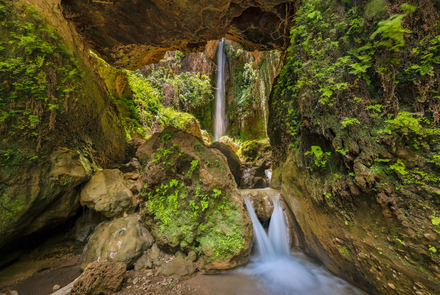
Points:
(253, 150)
(43, 76)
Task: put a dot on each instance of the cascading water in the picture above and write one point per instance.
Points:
(281, 272)
(219, 111)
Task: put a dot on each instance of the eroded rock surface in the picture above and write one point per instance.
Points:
(103, 278)
(121, 240)
(130, 34)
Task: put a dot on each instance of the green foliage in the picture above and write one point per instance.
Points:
(349, 121)
(188, 90)
(42, 78)
(376, 8)
(197, 218)
(193, 167)
(399, 167)
(392, 33)
(317, 152)
(435, 220)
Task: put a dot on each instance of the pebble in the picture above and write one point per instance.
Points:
(135, 281)
(14, 293)
(56, 287)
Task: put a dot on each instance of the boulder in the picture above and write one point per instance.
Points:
(190, 201)
(232, 158)
(262, 204)
(100, 278)
(120, 240)
(229, 141)
(252, 151)
(180, 266)
(107, 193)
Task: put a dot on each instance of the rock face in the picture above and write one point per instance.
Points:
(130, 34)
(362, 181)
(46, 146)
(121, 240)
(232, 158)
(257, 169)
(100, 278)
(43, 197)
(107, 193)
(191, 202)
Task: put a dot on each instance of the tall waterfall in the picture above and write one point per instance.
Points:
(219, 113)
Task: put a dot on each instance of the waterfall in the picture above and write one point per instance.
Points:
(278, 232)
(275, 244)
(219, 113)
(265, 247)
(283, 273)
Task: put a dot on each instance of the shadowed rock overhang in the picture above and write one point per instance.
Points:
(132, 33)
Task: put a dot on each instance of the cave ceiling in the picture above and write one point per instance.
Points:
(132, 33)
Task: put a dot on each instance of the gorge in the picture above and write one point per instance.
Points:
(108, 107)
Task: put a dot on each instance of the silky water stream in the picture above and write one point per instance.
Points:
(278, 271)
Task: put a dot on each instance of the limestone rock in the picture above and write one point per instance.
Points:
(100, 278)
(121, 240)
(107, 193)
(233, 159)
(191, 202)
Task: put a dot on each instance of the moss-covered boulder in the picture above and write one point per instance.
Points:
(253, 150)
(190, 201)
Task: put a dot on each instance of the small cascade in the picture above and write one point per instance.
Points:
(278, 231)
(281, 272)
(219, 112)
(265, 247)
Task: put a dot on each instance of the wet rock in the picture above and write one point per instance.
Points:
(107, 193)
(192, 202)
(100, 278)
(262, 204)
(56, 287)
(181, 266)
(233, 160)
(85, 226)
(121, 240)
